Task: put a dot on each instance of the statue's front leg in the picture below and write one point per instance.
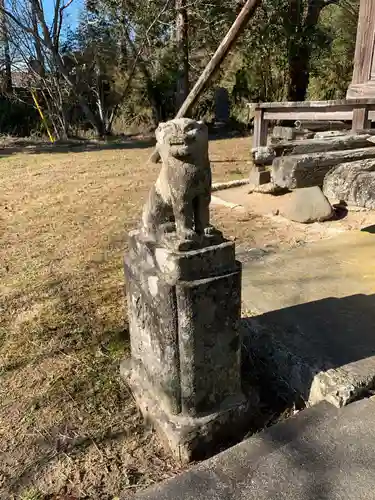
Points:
(202, 220)
(184, 218)
(202, 213)
(151, 212)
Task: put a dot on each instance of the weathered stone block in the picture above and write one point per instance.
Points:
(353, 183)
(330, 133)
(259, 175)
(341, 143)
(263, 155)
(284, 133)
(307, 170)
(184, 313)
(308, 205)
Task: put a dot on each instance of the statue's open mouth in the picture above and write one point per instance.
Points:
(180, 151)
(177, 142)
(185, 141)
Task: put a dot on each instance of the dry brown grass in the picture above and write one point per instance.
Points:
(67, 423)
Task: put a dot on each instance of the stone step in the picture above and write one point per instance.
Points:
(340, 143)
(312, 317)
(307, 170)
(320, 453)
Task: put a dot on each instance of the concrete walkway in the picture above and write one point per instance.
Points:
(312, 316)
(323, 453)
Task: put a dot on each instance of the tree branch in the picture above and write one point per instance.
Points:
(56, 18)
(11, 16)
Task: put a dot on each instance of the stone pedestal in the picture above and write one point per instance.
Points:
(184, 371)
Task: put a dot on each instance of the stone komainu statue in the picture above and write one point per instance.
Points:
(178, 205)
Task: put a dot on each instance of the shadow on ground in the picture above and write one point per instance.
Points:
(369, 229)
(81, 146)
(35, 147)
(294, 344)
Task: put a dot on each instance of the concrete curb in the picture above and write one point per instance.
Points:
(217, 186)
(215, 200)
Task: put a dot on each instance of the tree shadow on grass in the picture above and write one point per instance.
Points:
(73, 356)
(37, 147)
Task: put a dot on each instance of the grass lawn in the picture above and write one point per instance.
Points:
(68, 426)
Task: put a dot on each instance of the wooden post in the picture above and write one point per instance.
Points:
(361, 119)
(258, 173)
(363, 81)
(230, 38)
(260, 129)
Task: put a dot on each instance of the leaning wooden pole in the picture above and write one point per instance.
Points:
(231, 37)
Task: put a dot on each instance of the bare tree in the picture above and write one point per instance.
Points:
(5, 50)
(43, 40)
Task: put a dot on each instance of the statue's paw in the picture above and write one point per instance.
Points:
(211, 231)
(168, 227)
(189, 235)
(188, 240)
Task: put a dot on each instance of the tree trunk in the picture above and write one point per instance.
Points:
(38, 48)
(182, 45)
(6, 51)
(299, 72)
(301, 31)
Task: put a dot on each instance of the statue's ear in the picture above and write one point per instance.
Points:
(159, 128)
(202, 124)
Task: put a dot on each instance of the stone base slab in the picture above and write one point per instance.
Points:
(259, 175)
(190, 438)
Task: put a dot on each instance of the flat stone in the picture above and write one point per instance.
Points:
(340, 143)
(308, 205)
(194, 264)
(307, 170)
(313, 316)
(321, 453)
(353, 183)
(330, 133)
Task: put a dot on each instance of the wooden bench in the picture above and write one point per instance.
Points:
(359, 111)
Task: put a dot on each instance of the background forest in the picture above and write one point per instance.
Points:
(127, 64)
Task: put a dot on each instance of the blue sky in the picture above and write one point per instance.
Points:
(72, 11)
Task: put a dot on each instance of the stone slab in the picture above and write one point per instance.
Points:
(307, 170)
(190, 437)
(320, 454)
(189, 265)
(342, 142)
(311, 316)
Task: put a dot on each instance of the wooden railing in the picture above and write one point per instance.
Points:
(359, 111)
